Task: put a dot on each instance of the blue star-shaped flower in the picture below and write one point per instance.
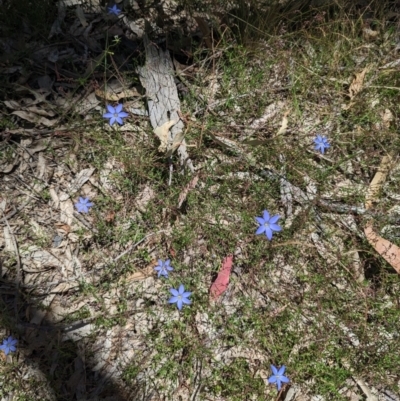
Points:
(114, 10)
(163, 268)
(268, 224)
(115, 114)
(321, 143)
(180, 297)
(277, 376)
(83, 205)
(9, 345)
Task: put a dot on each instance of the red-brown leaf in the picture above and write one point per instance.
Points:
(389, 251)
(221, 282)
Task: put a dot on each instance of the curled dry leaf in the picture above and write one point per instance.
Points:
(358, 83)
(221, 282)
(162, 133)
(284, 124)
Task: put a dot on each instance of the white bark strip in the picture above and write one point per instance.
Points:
(157, 77)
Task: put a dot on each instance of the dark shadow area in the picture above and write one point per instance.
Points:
(45, 346)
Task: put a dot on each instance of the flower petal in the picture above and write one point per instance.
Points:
(179, 303)
(186, 294)
(108, 115)
(260, 230)
(266, 215)
(173, 300)
(174, 292)
(274, 370)
(110, 109)
(112, 120)
(284, 379)
(118, 109)
(278, 385)
(260, 220)
(268, 233)
(123, 114)
(186, 301)
(281, 370)
(119, 121)
(274, 219)
(275, 227)
(181, 289)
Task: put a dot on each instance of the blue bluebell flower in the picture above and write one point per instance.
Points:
(115, 114)
(114, 10)
(83, 205)
(180, 297)
(163, 268)
(321, 143)
(9, 345)
(277, 376)
(268, 224)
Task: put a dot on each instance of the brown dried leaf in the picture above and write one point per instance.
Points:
(389, 251)
(140, 275)
(358, 82)
(79, 180)
(369, 34)
(387, 118)
(110, 216)
(34, 118)
(64, 227)
(144, 197)
(191, 185)
(111, 96)
(377, 181)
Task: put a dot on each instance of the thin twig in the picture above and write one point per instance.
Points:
(15, 211)
(85, 222)
(135, 245)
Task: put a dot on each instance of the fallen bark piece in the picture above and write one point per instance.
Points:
(157, 77)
